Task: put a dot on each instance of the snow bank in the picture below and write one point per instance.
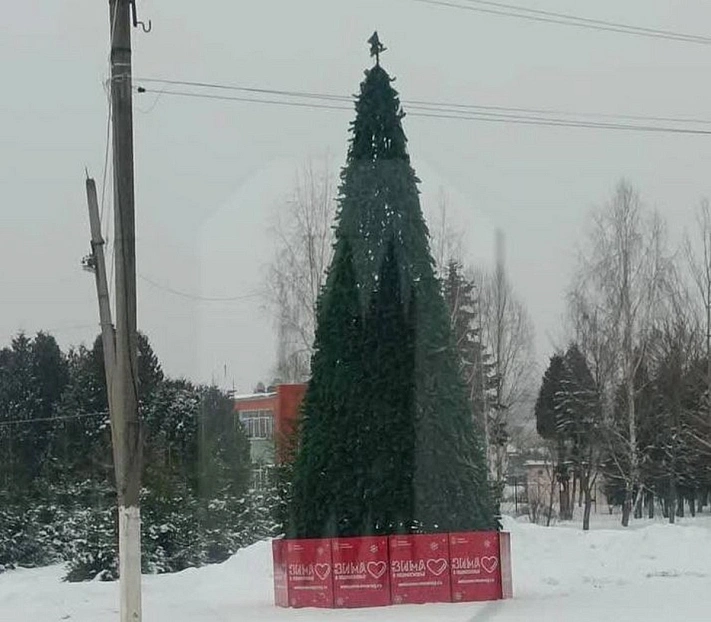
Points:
(562, 561)
(560, 573)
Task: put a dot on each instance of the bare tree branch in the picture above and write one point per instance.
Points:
(304, 237)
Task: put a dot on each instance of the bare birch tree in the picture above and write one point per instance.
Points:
(618, 284)
(304, 237)
(699, 263)
(446, 241)
(597, 342)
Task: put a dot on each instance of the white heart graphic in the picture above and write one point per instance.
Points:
(377, 569)
(490, 563)
(322, 570)
(436, 566)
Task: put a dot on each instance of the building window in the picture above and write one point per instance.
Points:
(261, 477)
(258, 424)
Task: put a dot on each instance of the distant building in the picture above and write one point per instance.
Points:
(269, 419)
(540, 483)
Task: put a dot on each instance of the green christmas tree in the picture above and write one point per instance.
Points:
(388, 428)
(328, 485)
(393, 397)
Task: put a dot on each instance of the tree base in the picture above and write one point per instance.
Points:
(339, 573)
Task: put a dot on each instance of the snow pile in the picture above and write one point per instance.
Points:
(653, 572)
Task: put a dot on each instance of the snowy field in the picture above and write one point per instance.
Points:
(652, 572)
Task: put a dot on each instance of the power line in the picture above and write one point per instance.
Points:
(246, 99)
(417, 103)
(435, 112)
(639, 30)
(552, 122)
(565, 19)
(60, 418)
(246, 89)
(195, 296)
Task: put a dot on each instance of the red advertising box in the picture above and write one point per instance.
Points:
(309, 573)
(360, 572)
(419, 569)
(505, 555)
(475, 566)
(281, 588)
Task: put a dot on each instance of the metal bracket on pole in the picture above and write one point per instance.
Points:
(137, 22)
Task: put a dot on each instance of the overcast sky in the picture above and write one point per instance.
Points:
(211, 174)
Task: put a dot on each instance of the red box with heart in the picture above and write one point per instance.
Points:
(360, 572)
(419, 569)
(475, 564)
(309, 574)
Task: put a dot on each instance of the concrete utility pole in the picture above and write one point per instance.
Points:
(97, 265)
(126, 428)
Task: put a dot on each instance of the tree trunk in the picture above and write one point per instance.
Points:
(588, 506)
(680, 506)
(627, 504)
(550, 501)
(565, 500)
(692, 503)
(650, 505)
(672, 503)
(586, 491)
(573, 495)
(638, 510)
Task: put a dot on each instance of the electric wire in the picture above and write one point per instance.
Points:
(435, 112)
(196, 297)
(418, 102)
(538, 15)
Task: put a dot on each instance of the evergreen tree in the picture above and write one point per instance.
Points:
(550, 426)
(379, 215)
(223, 447)
(580, 425)
(150, 373)
(578, 411)
(33, 375)
(82, 445)
(49, 373)
(57, 501)
(475, 363)
(548, 403)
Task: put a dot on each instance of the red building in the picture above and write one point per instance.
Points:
(269, 419)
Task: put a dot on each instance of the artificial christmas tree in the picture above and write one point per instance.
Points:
(328, 484)
(387, 445)
(387, 442)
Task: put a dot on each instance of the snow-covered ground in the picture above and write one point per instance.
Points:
(652, 572)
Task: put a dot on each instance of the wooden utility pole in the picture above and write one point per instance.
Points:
(126, 430)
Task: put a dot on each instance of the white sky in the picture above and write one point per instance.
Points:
(211, 174)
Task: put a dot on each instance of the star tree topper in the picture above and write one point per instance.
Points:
(376, 47)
